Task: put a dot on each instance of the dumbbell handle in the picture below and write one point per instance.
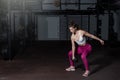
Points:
(75, 59)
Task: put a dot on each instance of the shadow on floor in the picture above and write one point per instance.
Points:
(101, 63)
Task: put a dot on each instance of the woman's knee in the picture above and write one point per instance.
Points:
(70, 53)
(83, 57)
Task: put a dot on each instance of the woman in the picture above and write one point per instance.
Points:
(83, 49)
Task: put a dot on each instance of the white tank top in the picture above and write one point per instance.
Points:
(81, 40)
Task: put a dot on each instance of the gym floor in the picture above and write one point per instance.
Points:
(48, 62)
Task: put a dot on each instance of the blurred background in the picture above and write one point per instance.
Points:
(27, 22)
(35, 38)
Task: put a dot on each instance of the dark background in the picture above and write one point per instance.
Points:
(35, 39)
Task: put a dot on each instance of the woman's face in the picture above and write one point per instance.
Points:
(72, 30)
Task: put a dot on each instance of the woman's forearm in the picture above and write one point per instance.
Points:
(94, 37)
(73, 52)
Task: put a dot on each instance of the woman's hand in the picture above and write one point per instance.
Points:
(102, 42)
(73, 57)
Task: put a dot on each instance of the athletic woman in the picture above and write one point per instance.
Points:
(83, 49)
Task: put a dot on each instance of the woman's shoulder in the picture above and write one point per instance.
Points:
(80, 31)
(72, 36)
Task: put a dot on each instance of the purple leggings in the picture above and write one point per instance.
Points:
(83, 51)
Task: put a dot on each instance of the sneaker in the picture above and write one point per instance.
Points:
(86, 74)
(70, 69)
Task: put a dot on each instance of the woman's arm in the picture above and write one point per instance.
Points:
(93, 37)
(73, 48)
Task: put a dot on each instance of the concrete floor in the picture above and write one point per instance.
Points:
(49, 63)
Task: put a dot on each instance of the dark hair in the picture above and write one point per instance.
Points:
(72, 24)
